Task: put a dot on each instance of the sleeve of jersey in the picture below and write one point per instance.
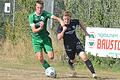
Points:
(31, 21)
(59, 29)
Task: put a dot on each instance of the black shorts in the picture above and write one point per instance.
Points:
(73, 49)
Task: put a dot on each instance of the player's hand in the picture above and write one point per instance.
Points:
(41, 24)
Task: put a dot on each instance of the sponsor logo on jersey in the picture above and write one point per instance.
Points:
(70, 32)
(73, 27)
(42, 18)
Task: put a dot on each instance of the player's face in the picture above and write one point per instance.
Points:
(66, 19)
(39, 8)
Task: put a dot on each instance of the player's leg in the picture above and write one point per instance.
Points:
(71, 59)
(39, 54)
(50, 54)
(40, 57)
(48, 48)
(69, 49)
(83, 56)
(88, 63)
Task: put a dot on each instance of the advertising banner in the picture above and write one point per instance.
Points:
(103, 42)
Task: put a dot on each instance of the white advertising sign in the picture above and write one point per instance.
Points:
(103, 42)
(7, 8)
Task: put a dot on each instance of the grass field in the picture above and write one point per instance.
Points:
(34, 71)
(18, 63)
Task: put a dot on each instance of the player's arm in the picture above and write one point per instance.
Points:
(32, 25)
(35, 30)
(61, 34)
(83, 28)
(59, 20)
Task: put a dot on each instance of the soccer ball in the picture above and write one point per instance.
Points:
(50, 72)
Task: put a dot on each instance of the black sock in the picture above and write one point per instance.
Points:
(69, 62)
(90, 66)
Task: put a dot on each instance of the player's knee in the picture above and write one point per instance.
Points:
(39, 57)
(51, 57)
(41, 60)
(84, 59)
(83, 56)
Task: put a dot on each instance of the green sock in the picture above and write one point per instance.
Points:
(45, 64)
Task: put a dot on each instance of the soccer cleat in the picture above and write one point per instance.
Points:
(73, 72)
(71, 65)
(94, 75)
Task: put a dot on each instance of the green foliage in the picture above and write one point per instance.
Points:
(21, 29)
(105, 63)
(28, 5)
(96, 13)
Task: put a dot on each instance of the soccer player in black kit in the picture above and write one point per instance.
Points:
(72, 44)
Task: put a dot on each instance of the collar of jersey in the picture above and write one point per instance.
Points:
(39, 14)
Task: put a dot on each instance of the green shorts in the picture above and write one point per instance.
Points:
(40, 45)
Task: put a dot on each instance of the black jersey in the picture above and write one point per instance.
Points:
(70, 34)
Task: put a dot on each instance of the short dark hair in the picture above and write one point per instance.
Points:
(67, 13)
(40, 2)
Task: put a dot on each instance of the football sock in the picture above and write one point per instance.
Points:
(45, 64)
(69, 62)
(90, 66)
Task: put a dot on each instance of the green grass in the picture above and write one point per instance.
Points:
(21, 55)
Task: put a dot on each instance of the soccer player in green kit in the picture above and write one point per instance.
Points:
(40, 35)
